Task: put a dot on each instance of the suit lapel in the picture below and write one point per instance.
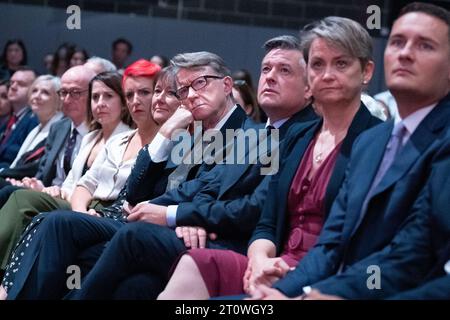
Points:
(362, 121)
(235, 121)
(293, 161)
(60, 139)
(426, 133)
(368, 157)
(304, 115)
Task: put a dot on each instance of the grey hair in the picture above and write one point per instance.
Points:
(55, 81)
(104, 64)
(194, 60)
(344, 33)
(167, 76)
(285, 42)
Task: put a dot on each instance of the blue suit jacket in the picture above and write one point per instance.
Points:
(9, 150)
(228, 199)
(347, 237)
(417, 254)
(274, 222)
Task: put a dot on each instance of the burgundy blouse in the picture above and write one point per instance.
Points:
(306, 205)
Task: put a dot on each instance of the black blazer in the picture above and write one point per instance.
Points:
(228, 199)
(274, 221)
(348, 237)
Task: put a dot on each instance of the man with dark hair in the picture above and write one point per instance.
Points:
(121, 51)
(22, 119)
(388, 167)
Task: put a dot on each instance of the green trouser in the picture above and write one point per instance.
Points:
(21, 207)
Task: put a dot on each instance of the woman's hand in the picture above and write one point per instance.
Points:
(264, 271)
(53, 191)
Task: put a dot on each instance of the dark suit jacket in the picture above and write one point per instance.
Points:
(347, 237)
(25, 168)
(274, 222)
(149, 180)
(57, 137)
(228, 199)
(417, 254)
(9, 150)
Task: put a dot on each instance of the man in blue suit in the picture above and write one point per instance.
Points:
(22, 120)
(415, 264)
(389, 163)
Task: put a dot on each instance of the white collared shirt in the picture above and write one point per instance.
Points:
(412, 121)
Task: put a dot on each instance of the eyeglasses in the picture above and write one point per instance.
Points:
(141, 93)
(197, 84)
(74, 93)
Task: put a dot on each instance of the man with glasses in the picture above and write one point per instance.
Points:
(65, 136)
(22, 119)
(220, 199)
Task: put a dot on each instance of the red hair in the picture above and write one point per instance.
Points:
(141, 68)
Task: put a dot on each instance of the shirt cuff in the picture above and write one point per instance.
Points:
(171, 216)
(160, 148)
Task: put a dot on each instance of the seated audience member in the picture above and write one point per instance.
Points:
(61, 62)
(204, 83)
(78, 57)
(121, 51)
(389, 164)
(14, 56)
(388, 100)
(102, 182)
(310, 175)
(64, 139)
(22, 119)
(99, 65)
(160, 60)
(377, 108)
(5, 105)
(46, 105)
(246, 98)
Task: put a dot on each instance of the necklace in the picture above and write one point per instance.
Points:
(318, 158)
(320, 152)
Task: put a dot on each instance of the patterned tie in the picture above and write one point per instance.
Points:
(392, 149)
(69, 151)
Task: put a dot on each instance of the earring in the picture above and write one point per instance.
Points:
(365, 82)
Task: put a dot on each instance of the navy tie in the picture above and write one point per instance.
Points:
(69, 151)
